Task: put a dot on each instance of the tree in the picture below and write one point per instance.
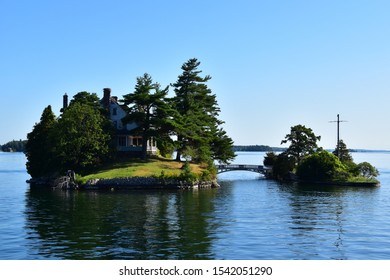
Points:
(343, 153)
(39, 144)
(283, 166)
(303, 142)
(366, 170)
(270, 159)
(196, 122)
(80, 139)
(221, 146)
(90, 99)
(144, 106)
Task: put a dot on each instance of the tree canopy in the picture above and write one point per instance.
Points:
(80, 140)
(196, 123)
(302, 140)
(146, 104)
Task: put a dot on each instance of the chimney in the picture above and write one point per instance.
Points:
(106, 97)
(64, 101)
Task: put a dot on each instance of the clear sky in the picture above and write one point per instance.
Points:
(274, 64)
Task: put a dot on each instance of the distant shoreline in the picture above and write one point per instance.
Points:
(264, 148)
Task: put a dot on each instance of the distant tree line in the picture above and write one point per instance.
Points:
(256, 148)
(14, 146)
(81, 137)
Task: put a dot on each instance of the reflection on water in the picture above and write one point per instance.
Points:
(247, 218)
(253, 219)
(115, 225)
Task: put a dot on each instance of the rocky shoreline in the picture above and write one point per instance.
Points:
(130, 183)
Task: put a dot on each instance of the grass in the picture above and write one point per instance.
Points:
(137, 168)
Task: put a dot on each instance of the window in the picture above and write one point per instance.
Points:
(122, 141)
(114, 111)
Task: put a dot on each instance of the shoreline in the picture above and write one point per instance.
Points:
(341, 184)
(129, 183)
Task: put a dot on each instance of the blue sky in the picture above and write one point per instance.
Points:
(274, 64)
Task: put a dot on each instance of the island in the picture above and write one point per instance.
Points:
(305, 162)
(113, 142)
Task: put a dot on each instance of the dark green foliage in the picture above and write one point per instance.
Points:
(303, 142)
(14, 146)
(221, 146)
(283, 166)
(79, 140)
(186, 173)
(81, 143)
(257, 148)
(86, 98)
(366, 170)
(270, 159)
(196, 122)
(146, 103)
(165, 145)
(39, 146)
(343, 153)
(322, 166)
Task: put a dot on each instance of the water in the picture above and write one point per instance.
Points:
(247, 218)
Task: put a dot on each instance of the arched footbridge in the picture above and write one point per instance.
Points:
(242, 167)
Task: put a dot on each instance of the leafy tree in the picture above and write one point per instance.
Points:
(196, 122)
(303, 142)
(342, 152)
(80, 140)
(146, 100)
(322, 166)
(366, 170)
(39, 144)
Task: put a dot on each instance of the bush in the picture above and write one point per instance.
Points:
(187, 174)
(322, 166)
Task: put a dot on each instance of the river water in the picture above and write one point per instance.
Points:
(247, 218)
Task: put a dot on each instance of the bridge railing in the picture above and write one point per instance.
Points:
(240, 166)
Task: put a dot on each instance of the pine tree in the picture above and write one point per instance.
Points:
(197, 123)
(39, 144)
(342, 152)
(144, 103)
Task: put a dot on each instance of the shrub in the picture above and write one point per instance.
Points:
(322, 166)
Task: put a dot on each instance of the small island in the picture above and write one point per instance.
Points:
(113, 142)
(303, 161)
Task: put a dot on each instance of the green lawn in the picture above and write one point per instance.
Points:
(137, 168)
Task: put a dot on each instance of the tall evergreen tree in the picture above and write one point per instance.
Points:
(197, 123)
(39, 151)
(147, 99)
